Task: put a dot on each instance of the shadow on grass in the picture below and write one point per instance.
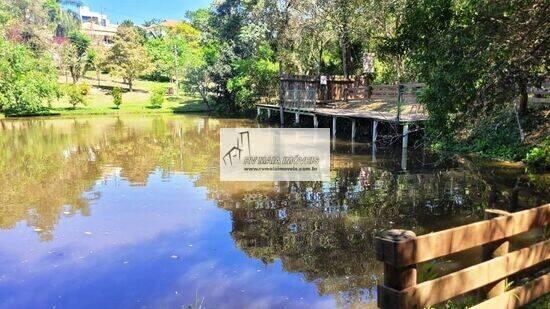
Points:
(124, 86)
(153, 107)
(66, 109)
(41, 114)
(194, 106)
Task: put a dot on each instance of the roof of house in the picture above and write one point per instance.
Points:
(170, 23)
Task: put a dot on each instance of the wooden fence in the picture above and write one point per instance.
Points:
(540, 94)
(334, 90)
(401, 251)
(305, 92)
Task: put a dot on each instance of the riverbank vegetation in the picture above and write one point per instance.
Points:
(477, 58)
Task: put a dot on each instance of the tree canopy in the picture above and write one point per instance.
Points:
(128, 58)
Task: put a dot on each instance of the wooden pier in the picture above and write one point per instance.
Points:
(349, 100)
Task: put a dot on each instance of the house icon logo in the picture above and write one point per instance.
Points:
(237, 150)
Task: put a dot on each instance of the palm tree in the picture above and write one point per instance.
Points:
(67, 19)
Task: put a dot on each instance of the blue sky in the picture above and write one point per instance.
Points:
(142, 10)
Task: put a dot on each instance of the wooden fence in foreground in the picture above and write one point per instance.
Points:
(401, 251)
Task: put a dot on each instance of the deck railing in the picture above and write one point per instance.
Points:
(540, 94)
(300, 99)
(402, 250)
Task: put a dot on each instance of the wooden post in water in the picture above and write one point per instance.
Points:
(268, 113)
(493, 250)
(374, 132)
(297, 118)
(353, 129)
(397, 278)
(334, 127)
(404, 158)
(315, 121)
(405, 135)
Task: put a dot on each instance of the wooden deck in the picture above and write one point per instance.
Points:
(352, 113)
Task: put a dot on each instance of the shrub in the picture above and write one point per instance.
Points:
(157, 97)
(75, 96)
(84, 88)
(539, 157)
(117, 96)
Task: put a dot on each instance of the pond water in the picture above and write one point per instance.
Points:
(129, 212)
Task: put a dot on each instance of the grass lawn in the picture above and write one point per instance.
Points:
(100, 101)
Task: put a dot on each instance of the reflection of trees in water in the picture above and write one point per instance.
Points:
(47, 165)
(322, 230)
(325, 245)
(325, 230)
(43, 176)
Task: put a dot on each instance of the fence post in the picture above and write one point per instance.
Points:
(396, 278)
(353, 129)
(282, 94)
(400, 90)
(405, 136)
(493, 250)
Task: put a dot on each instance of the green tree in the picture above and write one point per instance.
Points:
(128, 58)
(27, 82)
(26, 22)
(98, 60)
(475, 55)
(176, 53)
(78, 60)
(117, 96)
(256, 77)
(76, 94)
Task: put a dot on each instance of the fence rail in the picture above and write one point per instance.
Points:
(401, 251)
(540, 94)
(300, 99)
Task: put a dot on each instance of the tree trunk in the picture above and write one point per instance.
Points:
(204, 98)
(73, 75)
(523, 98)
(320, 61)
(343, 47)
(98, 74)
(130, 84)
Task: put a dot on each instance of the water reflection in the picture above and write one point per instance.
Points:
(145, 191)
